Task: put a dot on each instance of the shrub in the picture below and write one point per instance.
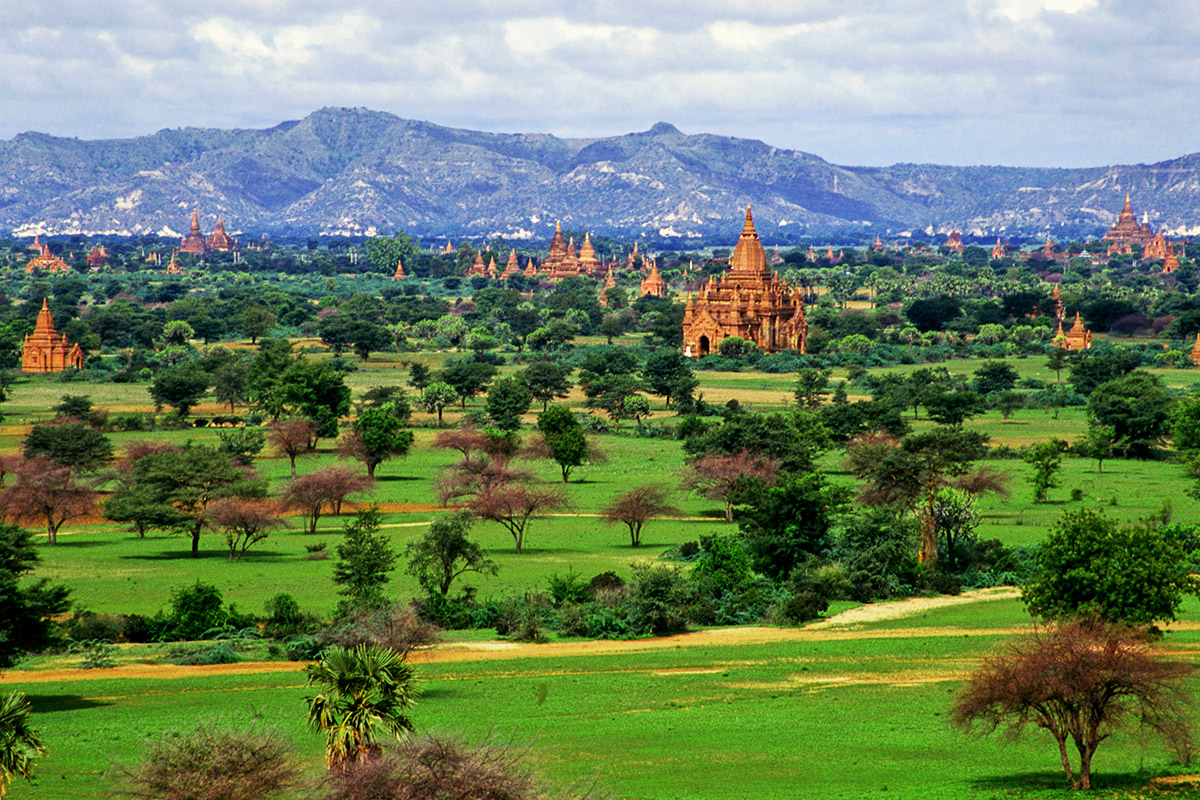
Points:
(568, 589)
(196, 610)
(390, 626)
(214, 763)
(204, 655)
(659, 600)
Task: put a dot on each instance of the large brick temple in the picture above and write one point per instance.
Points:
(47, 350)
(748, 301)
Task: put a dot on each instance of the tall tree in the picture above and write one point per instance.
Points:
(364, 560)
(637, 506)
(548, 381)
(445, 553)
(26, 606)
(43, 493)
(375, 437)
(180, 387)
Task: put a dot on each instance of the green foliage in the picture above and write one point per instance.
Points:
(564, 438)
(20, 744)
(241, 444)
(796, 440)
(436, 396)
(811, 386)
(73, 445)
(995, 376)
(547, 381)
(784, 525)
(362, 693)
(317, 391)
(1046, 459)
(196, 611)
(377, 436)
(507, 400)
(1136, 407)
(723, 562)
(180, 386)
(25, 606)
(364, 560)
(444, 553)
(659, 599)
(1090, 565)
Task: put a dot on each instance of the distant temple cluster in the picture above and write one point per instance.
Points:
(45, 261)
(748, 301)
(197, 244)
(47, 350)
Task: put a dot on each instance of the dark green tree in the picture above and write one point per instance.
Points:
(1136, 407)
(668, 374)
(785, 524)
(315, 390)
(1046, 460)
(445, 553)
(73, 445)
(257, 322)
(365, 558)
(468, 378)
(565, 440)
(1090, 565)
(26, 606)
(376, 436)
(180, 386)
(548, 380)
(507, 400)
(812, 386)
(995, 376)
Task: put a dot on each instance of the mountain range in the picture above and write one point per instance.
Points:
(353, 171)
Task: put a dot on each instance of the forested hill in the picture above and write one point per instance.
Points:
(355, 171)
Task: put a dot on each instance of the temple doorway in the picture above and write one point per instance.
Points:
(704, 347)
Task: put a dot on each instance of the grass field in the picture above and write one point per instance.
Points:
(840, 713)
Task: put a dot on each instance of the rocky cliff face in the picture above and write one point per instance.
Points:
(355, 171)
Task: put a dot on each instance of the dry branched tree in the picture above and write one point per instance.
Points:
(636, 506)
(327, 487)
(719, 476)
(43, 493)
(243, 522)
(1082, 682)
(293, 438)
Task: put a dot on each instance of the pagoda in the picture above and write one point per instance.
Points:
(588, 263)
(220, 240)
(1196, 351)
(1171, 262)
(633, 256)
(46, 350)
(478, 268)
(194, 242)
(954, 242)
(558, 251)
(399, 273)
(511, 268)
(1126, 231)
(998, 250)
(748, 301)
(653, 283)
(173, 267)
(530, 268)
(47, 262)
(1078, 338)
(97, 257)
(491, 270)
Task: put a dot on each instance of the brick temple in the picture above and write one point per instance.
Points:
(1127, 231)
(748, 301)
(47, 350)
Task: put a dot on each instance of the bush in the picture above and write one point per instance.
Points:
(568, 589)
(521, 619)
(284, 618)
(426, 768)
(942, 583)
(214, 763)
(195, 611)
(801, 607)
(659, 600)
(392, 626)
(593, 621)
(204, 655)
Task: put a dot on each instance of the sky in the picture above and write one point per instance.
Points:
(857, 82)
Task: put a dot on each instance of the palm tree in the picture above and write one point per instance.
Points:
(19, 744)
(363, 691)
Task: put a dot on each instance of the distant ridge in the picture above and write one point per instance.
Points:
(352, 171)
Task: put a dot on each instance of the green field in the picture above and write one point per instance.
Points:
(842, 713)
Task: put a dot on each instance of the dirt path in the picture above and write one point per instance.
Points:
(838, 628)
(895, 609)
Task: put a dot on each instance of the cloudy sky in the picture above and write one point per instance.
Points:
(1021, 82)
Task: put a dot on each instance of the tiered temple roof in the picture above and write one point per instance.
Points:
(1126, 231)
(220, 240)
(97, 257)
(194, 242)
(1171, 262)
(46, 350)
(954, 242)
(398, 275)
(46, 261)
(998, 250)
(1078, 338)
(511, 268)
(748, 301)
(478, 267)
(653, 283)
(588, 263)
(173, 267)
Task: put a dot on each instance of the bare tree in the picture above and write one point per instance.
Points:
(243, 521)
(636, 506)
(43, 493)
(512, 504)
(719, 476)
(328, 486)
(292, 438)
(1081, 682)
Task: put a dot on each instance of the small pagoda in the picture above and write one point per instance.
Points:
(194, 243)
(399, 273)
(653, 283)
(1078, 338)
(47, 262)
(46, 350)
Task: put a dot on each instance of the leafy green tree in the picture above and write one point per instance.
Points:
(468, 378)
(385, 252)
(668, 374)
(173, 488)
(232, 382)
(811, 386)
(795, 440)
(1090, 565)
(1185, 424)
(241, 444)
(1097, 443)
(361, 694)
(1046, 460)
(74, 406)
(548, 380)
(612, 393)
(1057, 359)
(995, 376)
(1008, 402)
(364, 560)
(445, 553)
(180, 386)
(954, 407)
(269, 365)
(436, 397)
(376, 436)
(419, 375)
(317, 391)
(1136, 407)
(26, 606)
(20, 744)
(565, 439)
(785, 524)
(256, 322)
(72, 445)
(1091, 368)
(507, 400)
